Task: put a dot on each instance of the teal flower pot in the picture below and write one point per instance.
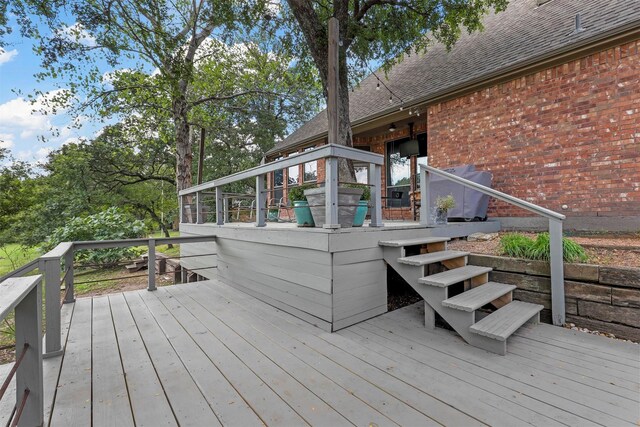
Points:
(361, 213)
(303, 213)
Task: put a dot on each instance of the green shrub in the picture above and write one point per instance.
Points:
(519, 246)
(296, 193)
(366, 190)
(515, 245)
(111, 224)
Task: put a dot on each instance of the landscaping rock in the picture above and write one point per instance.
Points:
(482, 237)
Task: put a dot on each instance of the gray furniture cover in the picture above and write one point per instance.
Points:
(470, 204)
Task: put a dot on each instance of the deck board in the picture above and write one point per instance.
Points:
(225, 401)
(149, 404)
(207, 354)
(109, 389)
(73, 395)
(187, 402)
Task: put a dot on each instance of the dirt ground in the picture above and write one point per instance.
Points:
(609, 250)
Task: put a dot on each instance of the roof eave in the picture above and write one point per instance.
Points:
(617, 35)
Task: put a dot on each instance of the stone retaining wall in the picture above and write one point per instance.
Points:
(600, 298)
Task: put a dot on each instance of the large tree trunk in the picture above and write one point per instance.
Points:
(184, 152)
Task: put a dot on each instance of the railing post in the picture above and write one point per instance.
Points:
(225, 208)
(199, 219)
(219, 208)
(181, 207)
(28, 327)
(375, 176)
(557, 272)
(151, 265)
(51, 268)
(69, 294)
(331, 193)
(261, 213)
(425, 197)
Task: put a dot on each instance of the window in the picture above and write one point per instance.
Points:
(310, 169)
(362, 169)
(293, 174)
(422, 156)
(362, 173)
(278, 182)
(398, 175)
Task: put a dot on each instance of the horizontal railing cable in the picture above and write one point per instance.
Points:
(12, 372)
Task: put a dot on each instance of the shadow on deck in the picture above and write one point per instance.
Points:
(207, 354)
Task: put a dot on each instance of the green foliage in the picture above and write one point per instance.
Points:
(519, 246)
(297, 193)
(445, 203)
(110, 224)
(366, 190)
(515, 245)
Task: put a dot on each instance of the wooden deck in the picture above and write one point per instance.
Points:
(204, 354)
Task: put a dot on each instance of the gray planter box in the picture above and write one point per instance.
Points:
(348, 199)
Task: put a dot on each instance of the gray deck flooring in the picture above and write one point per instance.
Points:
(204, 354)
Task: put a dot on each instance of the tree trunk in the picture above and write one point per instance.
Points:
(184, 151)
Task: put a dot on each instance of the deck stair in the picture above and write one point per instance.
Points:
(456, 291)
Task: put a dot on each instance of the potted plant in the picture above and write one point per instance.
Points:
(348, 201)
(363, 204)
(443, 204)
(301, 206)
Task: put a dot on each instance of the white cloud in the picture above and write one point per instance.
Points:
(20, 114)
(76, 33)
(6, 140)
(7, 55)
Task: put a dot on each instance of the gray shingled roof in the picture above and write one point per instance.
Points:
(522, 34)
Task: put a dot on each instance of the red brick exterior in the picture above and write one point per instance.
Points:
(566, 135)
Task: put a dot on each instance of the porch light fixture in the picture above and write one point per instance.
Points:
(392, 127)
(378, 85)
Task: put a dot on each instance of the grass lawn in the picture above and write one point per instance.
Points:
(13, 256)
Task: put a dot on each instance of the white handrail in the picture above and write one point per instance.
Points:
(555, 231)
(328, 150)
(497, 194)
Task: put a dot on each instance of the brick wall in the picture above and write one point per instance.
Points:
(566, 135)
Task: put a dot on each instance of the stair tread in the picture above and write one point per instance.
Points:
(449, 277)
(430, 258)
(413, 242)
(502, 323)
(477, 297)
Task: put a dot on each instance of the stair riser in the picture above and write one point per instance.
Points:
(460, 321)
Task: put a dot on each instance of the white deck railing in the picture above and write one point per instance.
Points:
(331, 153)
(555, 230)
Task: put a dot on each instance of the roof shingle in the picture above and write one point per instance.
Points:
(522, 34)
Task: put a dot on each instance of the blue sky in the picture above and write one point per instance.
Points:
(19, 127)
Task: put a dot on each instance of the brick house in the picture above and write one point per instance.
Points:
(546, 98)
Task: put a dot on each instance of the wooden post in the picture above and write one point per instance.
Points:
(261, 213)
(375, 176)
(219, 207)
(333, 81)
(557, 272)
(151, 265)
(69, 295)
(28, 327)
(425, 197)
(180, 205)
(51, 268)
